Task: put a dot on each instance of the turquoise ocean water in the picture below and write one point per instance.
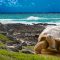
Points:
(30, 18)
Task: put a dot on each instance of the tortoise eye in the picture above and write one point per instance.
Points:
(43, 38)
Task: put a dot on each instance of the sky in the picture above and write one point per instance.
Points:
(29, 6)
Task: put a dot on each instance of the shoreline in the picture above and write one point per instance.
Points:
(28, 23)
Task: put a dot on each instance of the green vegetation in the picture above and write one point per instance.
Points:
(29, 47)
(3, 38)
(2, 45)
(8, 55)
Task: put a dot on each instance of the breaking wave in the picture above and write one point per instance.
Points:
(31, 19)
(39, 18)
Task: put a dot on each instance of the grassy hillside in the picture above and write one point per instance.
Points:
(8, 55)
(4, 38)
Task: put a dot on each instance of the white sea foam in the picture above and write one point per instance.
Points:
(33, 20)
(38, 18)
(24, 22)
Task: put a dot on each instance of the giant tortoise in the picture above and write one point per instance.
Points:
(49, 40)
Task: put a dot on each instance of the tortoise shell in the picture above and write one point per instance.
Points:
(53, 31)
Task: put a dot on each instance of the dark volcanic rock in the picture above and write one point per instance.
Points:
(24, 44)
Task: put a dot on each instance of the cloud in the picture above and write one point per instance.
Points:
(1, 2)
(12, 1)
